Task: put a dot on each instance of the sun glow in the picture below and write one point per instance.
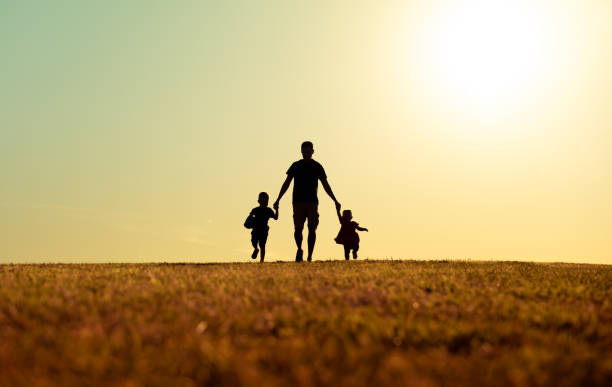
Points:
(493, 57)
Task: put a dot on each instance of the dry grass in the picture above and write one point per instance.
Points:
(286, 324)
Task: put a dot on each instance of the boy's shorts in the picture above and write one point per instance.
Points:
(303, 211)
(259, 236)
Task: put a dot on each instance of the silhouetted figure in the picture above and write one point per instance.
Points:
(258, 221)
(306, 174)
(348, 236)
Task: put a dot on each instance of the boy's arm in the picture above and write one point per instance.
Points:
(275, 214)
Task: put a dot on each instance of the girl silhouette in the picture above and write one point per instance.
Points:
(348, 236)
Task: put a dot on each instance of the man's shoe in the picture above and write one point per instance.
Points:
(254, 255)
(299, 256)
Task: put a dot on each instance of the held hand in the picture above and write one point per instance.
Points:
(276, 205)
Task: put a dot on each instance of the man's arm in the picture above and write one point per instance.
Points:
(283, 189)
(329, 191)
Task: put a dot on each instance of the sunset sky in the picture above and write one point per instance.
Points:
(144, 130)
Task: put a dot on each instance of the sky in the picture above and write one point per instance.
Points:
(137, 131)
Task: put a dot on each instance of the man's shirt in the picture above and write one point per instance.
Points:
(306, 175)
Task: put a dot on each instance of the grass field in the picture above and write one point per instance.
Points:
(353, 323)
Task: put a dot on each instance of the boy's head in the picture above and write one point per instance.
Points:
(307, 150)
(347, 214)
(262, 199)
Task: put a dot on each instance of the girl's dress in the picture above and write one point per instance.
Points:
(347, 235)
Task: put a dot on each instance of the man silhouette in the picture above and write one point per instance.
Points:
(306, 174)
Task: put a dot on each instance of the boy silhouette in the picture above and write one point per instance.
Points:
(260, 216)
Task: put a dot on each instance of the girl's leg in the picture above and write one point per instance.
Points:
(355, 249)
(346, 252)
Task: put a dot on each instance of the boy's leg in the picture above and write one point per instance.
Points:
(346, 252)
(262, 247)
(263, 238)
(254, 243)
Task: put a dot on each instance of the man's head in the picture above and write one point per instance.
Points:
(307, 150)
(263, 199)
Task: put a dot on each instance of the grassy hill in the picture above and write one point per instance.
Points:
(358, 323)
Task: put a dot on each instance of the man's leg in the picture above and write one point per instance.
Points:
(313, 222)
(297, 235)
(299, 217)
(312, 239)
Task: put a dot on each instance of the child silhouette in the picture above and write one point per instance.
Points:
(347, 235)
(258, 221)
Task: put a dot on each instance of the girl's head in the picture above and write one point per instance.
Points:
(347, 214)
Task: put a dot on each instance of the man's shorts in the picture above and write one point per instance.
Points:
(303, 211)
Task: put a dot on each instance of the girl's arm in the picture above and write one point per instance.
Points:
(361, 228)
(338, 213)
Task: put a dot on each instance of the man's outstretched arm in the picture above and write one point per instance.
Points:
(329, 191)
(283, 189)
